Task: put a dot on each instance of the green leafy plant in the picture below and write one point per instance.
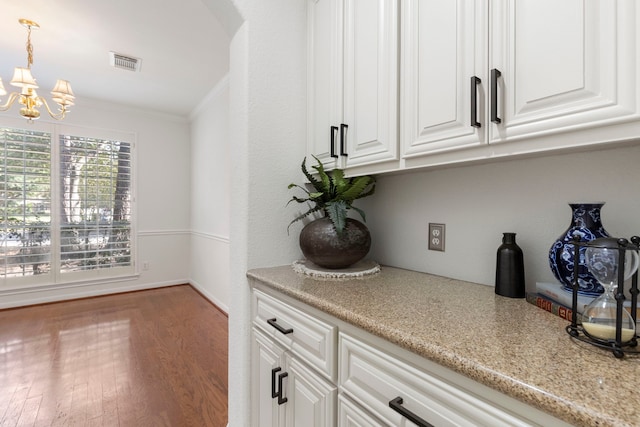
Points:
(332, 193)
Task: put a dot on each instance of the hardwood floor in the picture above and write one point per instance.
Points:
(148, 358)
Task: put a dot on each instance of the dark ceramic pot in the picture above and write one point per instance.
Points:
(322, 246)
(586, 223)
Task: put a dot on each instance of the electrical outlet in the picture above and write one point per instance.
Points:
(436, 237)
(145, 266)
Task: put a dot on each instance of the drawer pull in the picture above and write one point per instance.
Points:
(280, 329)
(396, 405)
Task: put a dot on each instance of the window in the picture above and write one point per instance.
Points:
(80, 227)
(25, 189)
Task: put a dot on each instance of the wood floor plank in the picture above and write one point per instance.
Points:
(148, 358)
(30, 411)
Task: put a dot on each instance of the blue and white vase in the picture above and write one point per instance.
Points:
(585, 223)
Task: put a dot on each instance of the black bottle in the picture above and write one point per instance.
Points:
(510, 268)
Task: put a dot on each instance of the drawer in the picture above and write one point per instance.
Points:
(314, 340)
(374, 379)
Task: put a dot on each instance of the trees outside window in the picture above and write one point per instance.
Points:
(91, 229)
(25, 204)
(95, 214)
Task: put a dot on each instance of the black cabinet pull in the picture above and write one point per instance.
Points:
(333, 141)
(274, 371)
(396, 405)
(281, 399)
(277, 391)
(475, 81)
(495, 74)
(343, 139)
(280, 329)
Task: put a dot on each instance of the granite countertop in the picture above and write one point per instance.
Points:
(506, 344)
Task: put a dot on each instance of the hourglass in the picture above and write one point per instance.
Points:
(600, 316)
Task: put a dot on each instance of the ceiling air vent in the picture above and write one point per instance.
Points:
(124, 62)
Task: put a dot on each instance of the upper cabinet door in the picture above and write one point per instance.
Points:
(370, 100)
(564, 65)
(444, 46)
(324, 80)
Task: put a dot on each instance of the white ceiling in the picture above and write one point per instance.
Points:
(183, 47)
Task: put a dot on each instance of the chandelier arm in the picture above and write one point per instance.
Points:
(60, 115)
(12, 97)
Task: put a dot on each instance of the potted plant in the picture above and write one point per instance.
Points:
(334, 240)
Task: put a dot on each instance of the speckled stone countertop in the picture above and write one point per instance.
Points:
(506, 344)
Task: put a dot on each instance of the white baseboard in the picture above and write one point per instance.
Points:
(208, 295)
(18, 299)
(28, 297)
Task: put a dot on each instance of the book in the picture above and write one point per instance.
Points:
(555, 292)
(549, 305)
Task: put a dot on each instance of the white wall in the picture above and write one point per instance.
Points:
(268, 116)
(480, 202)
(210, 196)
(162, 158)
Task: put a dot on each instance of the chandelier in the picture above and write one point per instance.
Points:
(22, 78)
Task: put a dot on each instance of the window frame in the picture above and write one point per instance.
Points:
(55, 278)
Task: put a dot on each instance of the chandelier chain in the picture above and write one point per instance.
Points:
(29, 48)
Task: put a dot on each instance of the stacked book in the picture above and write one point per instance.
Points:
(553, 298)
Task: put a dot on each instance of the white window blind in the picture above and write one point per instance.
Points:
(95, 214)
(66, 211)
(25, 203)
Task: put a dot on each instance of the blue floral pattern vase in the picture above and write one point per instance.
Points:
(585, 223)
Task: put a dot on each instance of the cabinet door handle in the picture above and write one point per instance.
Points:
(281, 399)
(495, 74)
(475, 81)
(277, 391)
(334, 129)
(274, 392)
(343, 139)
(280, 329)
(396, 405)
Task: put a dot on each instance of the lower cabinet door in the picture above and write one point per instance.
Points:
(266, 357)
(285, 392)
(311, 400)
(351, 415)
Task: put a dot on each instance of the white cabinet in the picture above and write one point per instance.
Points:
(565, 65)
(443, 49)
(537, 74)
(352, 82)
(293, 363)
(285, 391)
(300, 363)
